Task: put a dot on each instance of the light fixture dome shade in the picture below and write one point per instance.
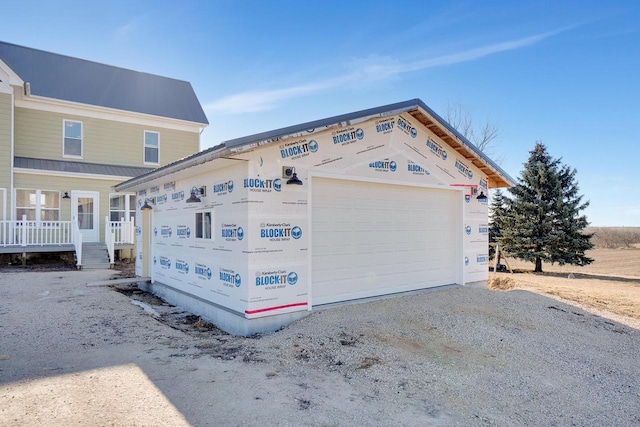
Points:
(193, 198)
(294, 180)
(146, 206)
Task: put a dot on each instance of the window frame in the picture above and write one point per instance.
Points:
(38, 207)
(129, 208)
(64, 139)
(144, 147)
(197, 221)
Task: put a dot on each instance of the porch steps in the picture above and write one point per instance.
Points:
(95, 256)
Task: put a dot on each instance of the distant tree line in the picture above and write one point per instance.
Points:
(615, 237)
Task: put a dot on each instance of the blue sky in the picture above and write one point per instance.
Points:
(566, 73)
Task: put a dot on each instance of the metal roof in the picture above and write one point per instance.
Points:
(496, 176)
(66, 78)
(78, 167)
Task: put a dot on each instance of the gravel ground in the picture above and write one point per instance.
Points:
(72, 354)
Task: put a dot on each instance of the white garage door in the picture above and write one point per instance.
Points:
(374, 239)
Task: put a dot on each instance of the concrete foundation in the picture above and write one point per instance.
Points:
(224, 318)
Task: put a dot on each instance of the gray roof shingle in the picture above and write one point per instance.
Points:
(71, 79)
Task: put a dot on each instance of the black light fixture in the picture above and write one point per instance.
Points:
(481, 196)
(66, 195)
(294, 178)
(146, 206)
(195, 192)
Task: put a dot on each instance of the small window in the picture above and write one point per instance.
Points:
(151, 147)
(72, 146)
(203, 225)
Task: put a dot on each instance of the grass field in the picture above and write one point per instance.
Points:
(609, 287)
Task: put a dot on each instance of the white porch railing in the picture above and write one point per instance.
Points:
(76, 236)
(118, 233)
(26, 233)
(35, 233)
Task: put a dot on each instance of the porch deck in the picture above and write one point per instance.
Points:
(26, 236)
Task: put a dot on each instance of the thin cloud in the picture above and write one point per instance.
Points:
(255, 101)
(367, 70)
(122, 33)
(480, 52)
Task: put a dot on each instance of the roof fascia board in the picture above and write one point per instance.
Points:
(466, 143)
(41, 103)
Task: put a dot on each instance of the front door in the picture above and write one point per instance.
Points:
(86, 210)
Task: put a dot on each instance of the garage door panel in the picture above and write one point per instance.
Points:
(371, 239)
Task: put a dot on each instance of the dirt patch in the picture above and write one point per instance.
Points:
(16, 268)
(78, 355)
(142, 296)
(611, 284)
(125, 269)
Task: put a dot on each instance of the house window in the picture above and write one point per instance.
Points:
(38, 205)
(151, 147)
(203, 225)
(72, 145)
(122, 206)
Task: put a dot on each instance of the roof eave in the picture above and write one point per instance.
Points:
(416, 108)
(497, 177)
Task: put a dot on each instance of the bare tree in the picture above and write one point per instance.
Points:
(483, 136)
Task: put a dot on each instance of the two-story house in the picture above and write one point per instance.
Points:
(70, 129)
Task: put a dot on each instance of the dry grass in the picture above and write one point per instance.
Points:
(609, 286)
(500, 282)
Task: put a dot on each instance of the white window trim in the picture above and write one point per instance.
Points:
(212, 234)
(64, 126)
(38, 208)
(144, 147)
(127, 205)
(3, 203)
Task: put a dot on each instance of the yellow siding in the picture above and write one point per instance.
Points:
(5, 141)
(39, 134)
(62, 184)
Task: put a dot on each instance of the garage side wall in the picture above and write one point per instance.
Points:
(380, 208)
(199, 248)
(395, 150)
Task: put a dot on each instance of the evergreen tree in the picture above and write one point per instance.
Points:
(498, 220)
(544, 221)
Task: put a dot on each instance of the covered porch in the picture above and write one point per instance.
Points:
(26, 236)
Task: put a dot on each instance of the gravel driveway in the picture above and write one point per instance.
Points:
(72, 354)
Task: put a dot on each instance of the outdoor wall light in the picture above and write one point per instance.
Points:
(147, 206)
(66, 195)
(481, 196)
(196, 193)
(294, 178)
